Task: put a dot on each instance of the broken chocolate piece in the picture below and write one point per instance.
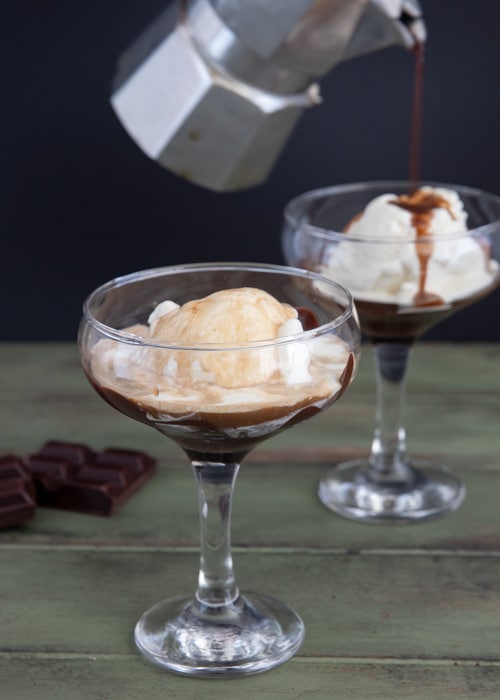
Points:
(71, 476)
(73, 452)
(17, 494)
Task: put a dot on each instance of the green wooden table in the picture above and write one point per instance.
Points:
(389, 612)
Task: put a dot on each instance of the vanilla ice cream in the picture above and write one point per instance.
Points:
(401, 247)
(236, 316)
(235, 350)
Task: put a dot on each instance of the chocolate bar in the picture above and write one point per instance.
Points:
(17, 493)
(71, 476)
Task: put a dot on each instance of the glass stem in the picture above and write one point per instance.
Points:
(388, 453)
(216, 583)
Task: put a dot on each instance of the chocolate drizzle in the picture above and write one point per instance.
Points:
(307, 317)
(421, 204)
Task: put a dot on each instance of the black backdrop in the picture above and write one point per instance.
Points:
(82, 204)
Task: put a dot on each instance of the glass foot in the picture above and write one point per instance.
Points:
(430, 492)
(251, 635)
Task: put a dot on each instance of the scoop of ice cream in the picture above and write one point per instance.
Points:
(392, 217)
(239, 316)
(228, 316)
(394, 262)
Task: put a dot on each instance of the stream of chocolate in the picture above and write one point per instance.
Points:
(420, 204)
(416, 116)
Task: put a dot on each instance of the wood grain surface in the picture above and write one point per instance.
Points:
(389, 611)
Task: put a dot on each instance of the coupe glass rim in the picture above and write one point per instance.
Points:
(130, 338)
(294, 210)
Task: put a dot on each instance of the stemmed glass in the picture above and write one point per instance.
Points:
(218, 399)
(402, 286)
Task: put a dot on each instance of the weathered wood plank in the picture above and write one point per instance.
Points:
(275, 506)
(129, 678)
(354, 606)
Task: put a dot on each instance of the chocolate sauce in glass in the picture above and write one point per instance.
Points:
(226, 437)
(307, 318)
(222, 437)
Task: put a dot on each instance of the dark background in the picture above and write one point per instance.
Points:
(82, 204)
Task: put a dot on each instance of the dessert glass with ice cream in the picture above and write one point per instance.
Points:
(219, 357)
(410, 256)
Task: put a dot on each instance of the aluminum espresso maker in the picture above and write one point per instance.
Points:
(213, 89)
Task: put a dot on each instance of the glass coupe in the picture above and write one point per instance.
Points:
(182, 390)
(389, 487)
